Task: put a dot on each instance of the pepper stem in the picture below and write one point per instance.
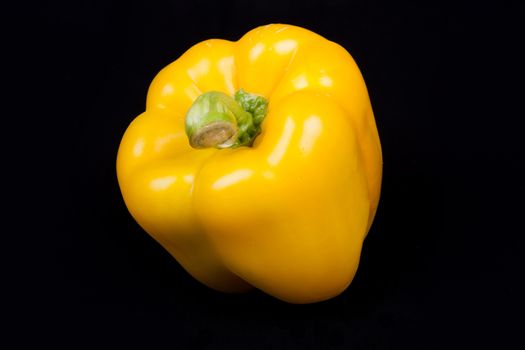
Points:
(218, 120)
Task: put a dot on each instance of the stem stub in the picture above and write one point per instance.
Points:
(218, 120)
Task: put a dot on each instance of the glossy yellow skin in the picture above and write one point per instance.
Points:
(287, 216)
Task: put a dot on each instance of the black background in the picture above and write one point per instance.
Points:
(441, 265)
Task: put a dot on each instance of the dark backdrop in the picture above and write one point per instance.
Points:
(440, 266)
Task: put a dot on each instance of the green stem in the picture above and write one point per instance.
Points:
(218, 120)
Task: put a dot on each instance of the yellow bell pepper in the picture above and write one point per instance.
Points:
(257, 163)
